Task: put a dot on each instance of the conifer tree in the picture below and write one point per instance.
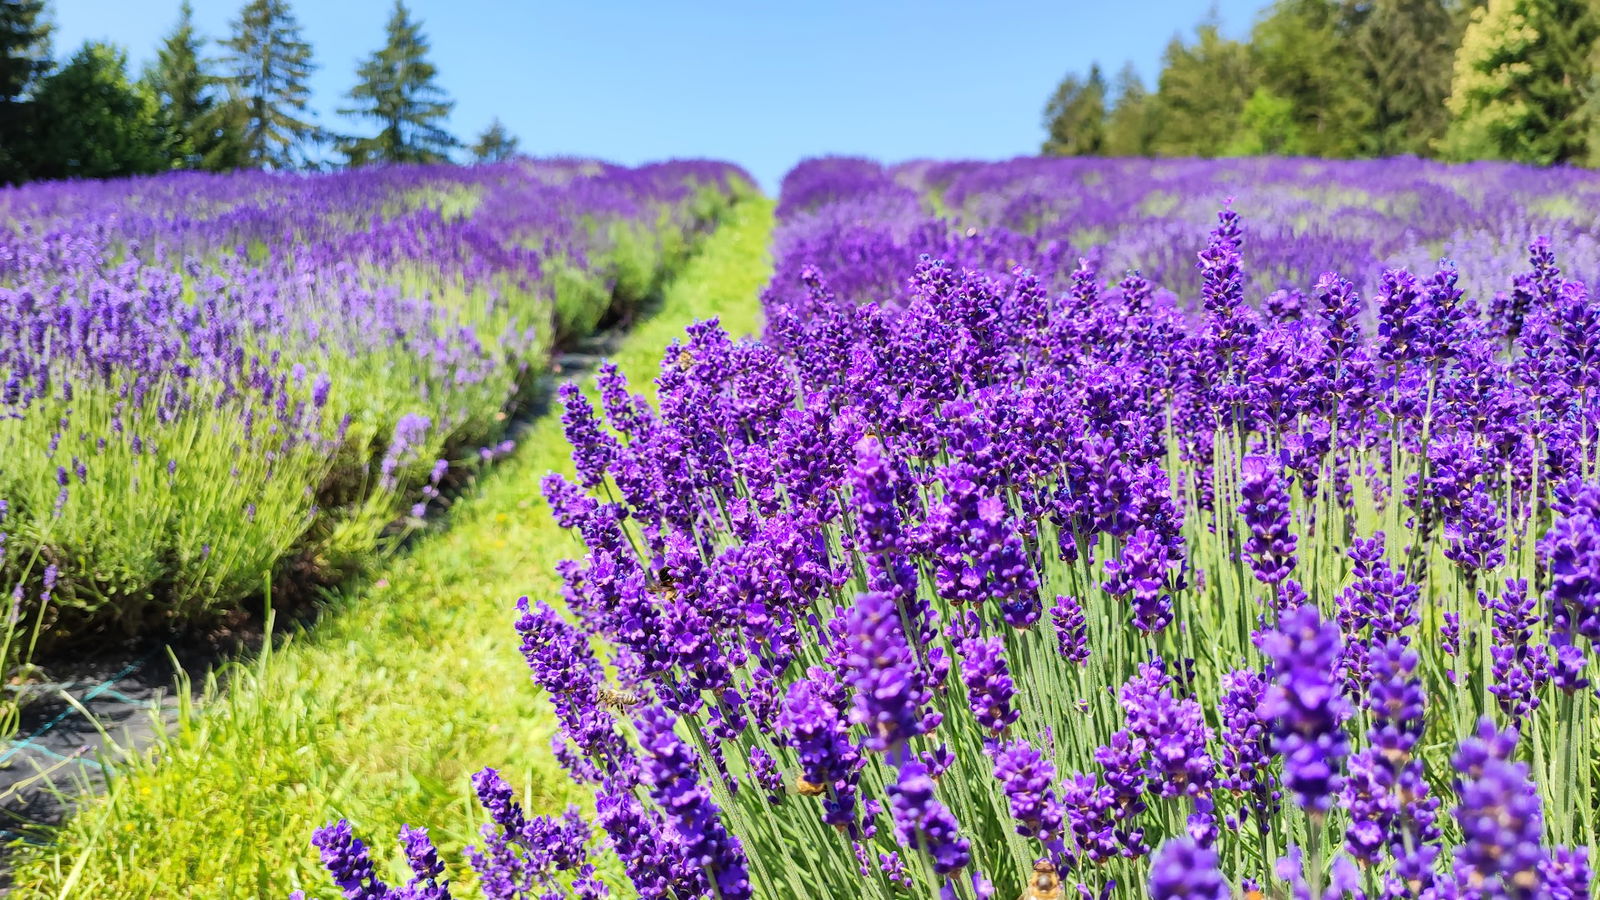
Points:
(1305, 95)
(24, 58)
(1202, 93)
(1131, 124)
(268, 63)
(1521, 82)
(1075, 117)
(398, 90)
(1406, 48)
(494, 144)
(186, 93)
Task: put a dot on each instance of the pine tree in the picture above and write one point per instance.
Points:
(181, 85)
(1520, 88)
(1075, 117)
(94, 123)
(494, 144)
(397, 89)
(1201, 93)
(1405, 49)
(24, 58)
(268, 65)
(1131, 125)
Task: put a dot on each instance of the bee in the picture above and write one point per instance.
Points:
(619, 699)
(685, 360)
(808, 788)
(1045, 884)
(666, 586)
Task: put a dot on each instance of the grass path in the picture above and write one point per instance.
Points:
(403, 689)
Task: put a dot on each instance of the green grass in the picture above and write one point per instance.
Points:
(381, 712)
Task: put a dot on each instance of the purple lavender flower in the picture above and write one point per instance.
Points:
(890, 696)
(1183, 870)
(1572, 550)
(829, 762)
(1173, 730)
(1123, 762)
(593, 449)
(1567, 875)
(764, 774)
(346, 859)
(1142, 573)
(925, 824)
(652, 854)
(1501, 821)
(1476, 535)
(672, 772)
(1246, 744)
(427, 872)
(1265, 508)
(989, 686)
(1305, 706)
(1518, 667)
(1072, 629)
(1027, 779)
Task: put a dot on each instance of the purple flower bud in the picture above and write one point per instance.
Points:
(1183, 870)
(1306, 707)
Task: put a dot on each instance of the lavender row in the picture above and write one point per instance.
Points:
(210, 378)
(998, 572)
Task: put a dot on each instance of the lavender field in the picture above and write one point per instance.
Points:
(1087, 528)
(1040, 529)
(217, 385)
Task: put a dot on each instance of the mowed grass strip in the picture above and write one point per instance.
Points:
(406, 685)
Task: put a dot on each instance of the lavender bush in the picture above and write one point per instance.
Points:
(209, 378)
(1008, 571)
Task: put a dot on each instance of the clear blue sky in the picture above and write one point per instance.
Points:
(758, 82)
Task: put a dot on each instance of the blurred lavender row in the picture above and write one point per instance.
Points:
(208, 379)
(866, 224)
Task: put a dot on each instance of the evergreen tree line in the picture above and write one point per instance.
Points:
(1453, 79)
(246, 107)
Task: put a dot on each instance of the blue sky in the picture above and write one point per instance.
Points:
(761, 83)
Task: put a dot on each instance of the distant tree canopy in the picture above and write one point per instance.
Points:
(1522, 82)
(494, 144)
(397, 90)
(1075, 116)
(201, 128)
(267, 67)
(1457, 79)
(24, 58)
(246, 105)
(93, 122)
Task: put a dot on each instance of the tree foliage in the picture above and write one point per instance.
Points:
(397, 89)
(268, 63)
(1075, 116)
(494, 144)
(1131, 125)
(1201, 93)
(24, 58)
(1267, 124)
(94, 123)
(1405, 49)
(1521, 82)
(199, 132)
(1466, 79)
(1301, 51)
